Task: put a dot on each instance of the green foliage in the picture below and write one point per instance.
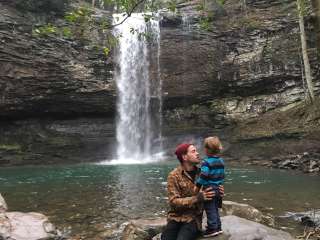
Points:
(200, 6)
(249, 23)
(154, 6)
(206, 23)
(172, 5)
(141, 35)
(106, 51)
(79, 16)
(85, 28)
(10, 147)
(147, 17)
(45, 30)
(66, 32)
(221, 2)
(302, 7)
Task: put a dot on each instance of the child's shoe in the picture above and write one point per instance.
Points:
(220, 230)
(211, 233)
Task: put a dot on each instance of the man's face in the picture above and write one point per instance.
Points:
(192, 155)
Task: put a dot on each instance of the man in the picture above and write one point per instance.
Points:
(185, 199)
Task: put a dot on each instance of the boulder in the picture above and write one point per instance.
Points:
(143, 229)
(246, 211)
(309, 218)
(3, 205)
(26, 226)
(236, 228)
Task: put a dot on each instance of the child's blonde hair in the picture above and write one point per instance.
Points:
(213, 145)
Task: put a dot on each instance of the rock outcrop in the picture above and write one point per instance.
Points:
(239, 220)
(244, 63)
(235, 228)
(3, 205)
(25, 226)
(143, 229)
(309, 218)
(49, 77)
(246, 211)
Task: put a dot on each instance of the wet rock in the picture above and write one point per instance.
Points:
(3, 204)
(246, 211)
(169, 19)
(306, 162)
(310, 218)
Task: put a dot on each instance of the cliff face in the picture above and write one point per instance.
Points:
(49, 76)
(246, 64)
(243, 63)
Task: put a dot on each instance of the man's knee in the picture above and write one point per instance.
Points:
(171, 231)
(189, 231)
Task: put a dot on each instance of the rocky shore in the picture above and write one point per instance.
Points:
(239, 220)
(280, 139)
(25, 226)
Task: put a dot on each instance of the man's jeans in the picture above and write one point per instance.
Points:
(180, 231)
(212, 210)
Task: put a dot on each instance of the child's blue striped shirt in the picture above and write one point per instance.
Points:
(212, 171)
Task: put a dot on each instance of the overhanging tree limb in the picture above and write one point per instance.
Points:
(128, 13)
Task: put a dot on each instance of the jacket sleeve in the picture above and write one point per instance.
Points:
(175, 198)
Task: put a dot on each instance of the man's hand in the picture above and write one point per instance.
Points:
(207, 193)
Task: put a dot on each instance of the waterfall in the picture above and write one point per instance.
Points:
(157, 39)
(138, 123)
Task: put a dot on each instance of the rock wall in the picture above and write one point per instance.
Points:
(49, 77)
(58, 97)
(246, 64)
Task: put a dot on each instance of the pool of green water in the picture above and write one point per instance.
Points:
(82, 198)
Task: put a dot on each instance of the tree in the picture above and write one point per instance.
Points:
(316, 10)
(93, 3)
(307, 69)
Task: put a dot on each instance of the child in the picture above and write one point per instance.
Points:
(212, 175)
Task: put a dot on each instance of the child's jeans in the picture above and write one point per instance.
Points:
(212, 210)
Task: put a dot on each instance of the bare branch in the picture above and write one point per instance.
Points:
(128, 14)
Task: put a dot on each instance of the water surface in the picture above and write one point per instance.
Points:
(85, 197)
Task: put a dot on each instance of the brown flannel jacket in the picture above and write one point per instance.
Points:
(186, 204)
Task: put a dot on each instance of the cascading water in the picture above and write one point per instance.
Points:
(136, 130)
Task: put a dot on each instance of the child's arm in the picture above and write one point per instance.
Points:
(204, 174)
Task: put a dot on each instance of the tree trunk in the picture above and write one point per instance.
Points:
(93, 3)
(306, 63)
(316, 10)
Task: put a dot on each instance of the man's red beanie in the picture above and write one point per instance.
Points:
(182, 149)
